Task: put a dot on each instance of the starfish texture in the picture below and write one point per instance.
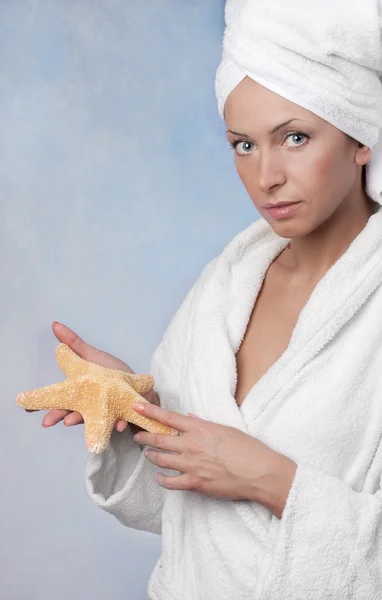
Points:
(102, 396)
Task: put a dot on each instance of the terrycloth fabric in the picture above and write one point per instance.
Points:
(325, 56)
(320, 404)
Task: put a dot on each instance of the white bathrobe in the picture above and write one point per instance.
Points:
(320, 404)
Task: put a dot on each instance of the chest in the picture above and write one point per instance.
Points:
(328, 411)
(269, 330)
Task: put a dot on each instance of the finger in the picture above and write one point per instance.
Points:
(72, 339)
(86, 351)
(161, 441)
(194, 416)
(121, 425)
(167, 417)
(53, 417)
(73, 418)
(166, 461)
(176, 482)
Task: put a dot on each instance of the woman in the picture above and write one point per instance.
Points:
(274, 487)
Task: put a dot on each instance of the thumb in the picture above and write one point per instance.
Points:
(84, 350)
(70, 338)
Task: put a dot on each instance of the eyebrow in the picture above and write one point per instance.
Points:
(270, 132)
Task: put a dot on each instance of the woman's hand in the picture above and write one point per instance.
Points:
(91, 354)
(213, 459)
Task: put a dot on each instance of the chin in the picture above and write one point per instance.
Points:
(289, 229)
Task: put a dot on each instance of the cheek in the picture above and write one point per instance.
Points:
(329, 171)
(323, 168)
(246, 172)
(329, 160)
(313, 175)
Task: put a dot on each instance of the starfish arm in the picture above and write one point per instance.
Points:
(141, 383)
(125, 412)
(146, 423)
(98, 430)
(70, 363)
(73, 395)
(59, 395)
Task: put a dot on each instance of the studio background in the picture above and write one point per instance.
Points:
(117, 186)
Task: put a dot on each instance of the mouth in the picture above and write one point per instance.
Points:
(278, 204)
(282, 209)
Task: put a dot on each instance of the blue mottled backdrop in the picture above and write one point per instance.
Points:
(117, 185)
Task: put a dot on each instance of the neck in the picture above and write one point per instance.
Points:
(311, 256)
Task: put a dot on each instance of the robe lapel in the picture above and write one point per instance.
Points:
(222, 311)
(224, 305)
(337, 297)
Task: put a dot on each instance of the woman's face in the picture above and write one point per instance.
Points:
(307, 160)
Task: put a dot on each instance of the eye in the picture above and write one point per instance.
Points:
(242, 147)
(294, 135)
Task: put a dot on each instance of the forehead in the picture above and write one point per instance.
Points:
(250, 104)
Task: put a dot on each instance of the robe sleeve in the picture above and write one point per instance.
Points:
(121, 480)
(329, 542)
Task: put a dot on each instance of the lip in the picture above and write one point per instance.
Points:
(277, 204)
(282, 210)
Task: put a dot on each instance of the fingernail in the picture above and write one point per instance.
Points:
(193, 415)
(138, 407)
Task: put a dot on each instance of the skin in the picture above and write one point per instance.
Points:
(94, 355)
(212, 458)
(324, 172)
(321, 167)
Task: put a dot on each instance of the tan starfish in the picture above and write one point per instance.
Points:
(101, 395)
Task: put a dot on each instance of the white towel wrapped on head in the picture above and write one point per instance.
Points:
(325, 56)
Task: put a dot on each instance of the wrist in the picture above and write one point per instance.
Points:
(273, 488)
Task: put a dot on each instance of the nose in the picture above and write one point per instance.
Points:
(270, 172)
